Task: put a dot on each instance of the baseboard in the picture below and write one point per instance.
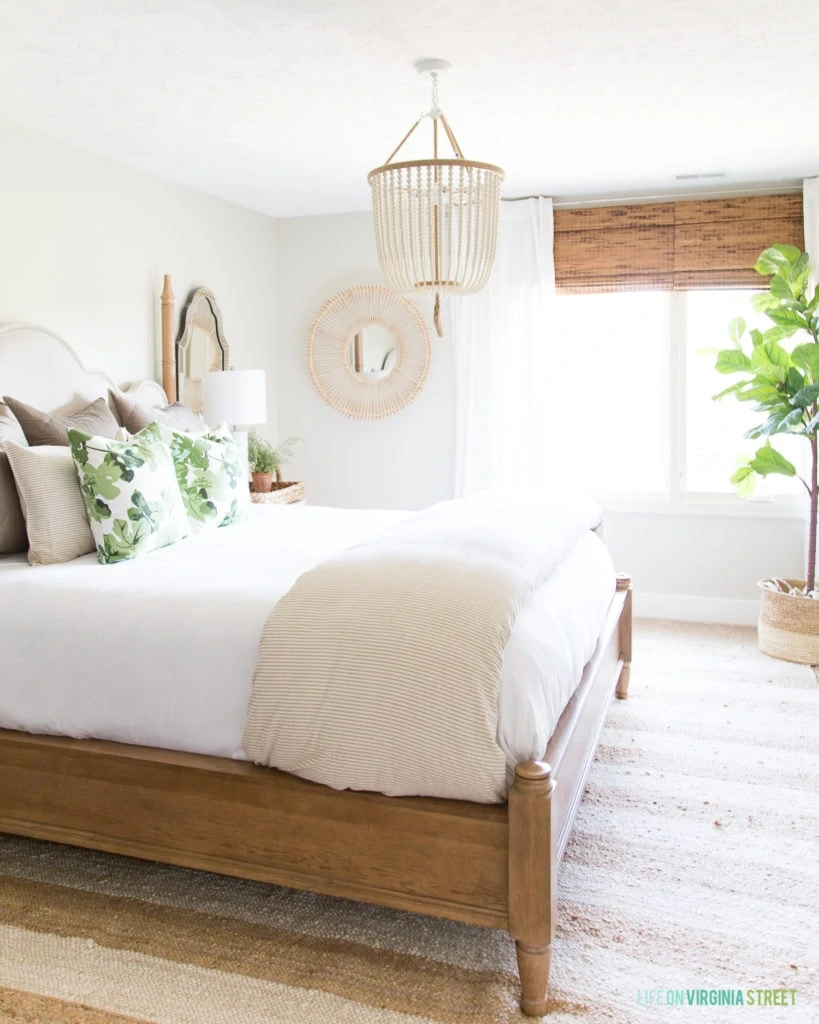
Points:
(689, 608)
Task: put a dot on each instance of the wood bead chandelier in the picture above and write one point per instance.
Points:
(436, 220)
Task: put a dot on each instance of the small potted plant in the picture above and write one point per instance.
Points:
(263, 463)
(266, 461)
(780, 380)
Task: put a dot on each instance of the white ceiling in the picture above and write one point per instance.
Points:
(284, 105)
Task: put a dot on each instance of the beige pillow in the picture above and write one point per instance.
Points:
(52, 503)
(42, 428)
(135, 417)
(12, 525)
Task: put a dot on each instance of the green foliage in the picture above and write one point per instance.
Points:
(264, 458)
(781, 382)
(209, 473)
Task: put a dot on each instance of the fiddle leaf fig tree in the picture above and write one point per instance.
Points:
(780, 376)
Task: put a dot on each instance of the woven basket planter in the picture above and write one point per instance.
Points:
(789, 626)
(283, 493)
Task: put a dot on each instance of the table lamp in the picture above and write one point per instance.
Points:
(235, 397)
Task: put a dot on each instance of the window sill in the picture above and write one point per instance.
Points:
(723, 506)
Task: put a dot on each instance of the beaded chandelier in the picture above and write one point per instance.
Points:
(436, 220)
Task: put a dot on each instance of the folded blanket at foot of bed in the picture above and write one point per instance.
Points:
(380, 669)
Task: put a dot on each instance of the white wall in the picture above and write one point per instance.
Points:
(405, 461)
(84, 243)
(83, 246)
(701, 567)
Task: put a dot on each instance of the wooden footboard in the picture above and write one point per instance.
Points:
(489, 865)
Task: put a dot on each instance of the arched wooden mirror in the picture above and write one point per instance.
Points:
(201, 347)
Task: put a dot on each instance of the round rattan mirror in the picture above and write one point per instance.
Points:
(368, 352)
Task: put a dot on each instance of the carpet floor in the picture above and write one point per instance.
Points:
(694, 865)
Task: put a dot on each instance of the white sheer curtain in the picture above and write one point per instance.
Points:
(810, 213)
(501, 340)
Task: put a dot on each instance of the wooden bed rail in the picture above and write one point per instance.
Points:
(490, 864)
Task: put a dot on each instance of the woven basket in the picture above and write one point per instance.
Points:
(789, 626)
(283, 493)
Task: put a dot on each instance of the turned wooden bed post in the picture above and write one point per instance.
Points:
(532, 880)
(168, 354)
(624, 631)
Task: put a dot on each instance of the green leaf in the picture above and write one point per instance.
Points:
(732, 360)
(760, 392)
(781, 288)
(728, 391)
(806, 396)
(757, 337)
(779, 333)
(787, 317)
(746, 487)
(763, 301)
(771, 357)
(807, 356)
(800, 274)
(779, 422)
(794, 381)
(745, 481)
(777, 257)
(141, 509)
(736, 329)
(768, 460)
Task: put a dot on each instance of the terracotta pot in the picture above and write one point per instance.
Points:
(789, 625)
(262, 482)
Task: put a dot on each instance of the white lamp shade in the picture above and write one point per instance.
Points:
(234, 397)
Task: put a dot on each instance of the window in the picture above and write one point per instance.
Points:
(609, 413)
(643, 289)
(714, 431)
(633, 411)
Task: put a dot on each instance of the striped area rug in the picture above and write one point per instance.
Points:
(694, 865)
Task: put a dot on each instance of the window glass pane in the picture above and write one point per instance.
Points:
(609, 399)
(714, 431)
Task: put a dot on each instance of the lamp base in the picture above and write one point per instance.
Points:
(240, 437)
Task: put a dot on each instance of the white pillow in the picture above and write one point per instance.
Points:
(52, 503)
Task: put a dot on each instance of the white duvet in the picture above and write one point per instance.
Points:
(161, 650)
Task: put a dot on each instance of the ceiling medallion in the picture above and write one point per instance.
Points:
(436, 220)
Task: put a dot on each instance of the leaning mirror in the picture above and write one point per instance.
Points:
(201, 347)
(368, 352)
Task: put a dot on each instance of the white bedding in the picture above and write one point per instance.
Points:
(161, 650)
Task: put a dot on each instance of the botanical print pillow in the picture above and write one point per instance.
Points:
(130, 491)
(212, 478)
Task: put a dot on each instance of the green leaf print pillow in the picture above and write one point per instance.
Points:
(211, 477)
(131, 493)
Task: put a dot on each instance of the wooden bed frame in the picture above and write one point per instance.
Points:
(489, 865)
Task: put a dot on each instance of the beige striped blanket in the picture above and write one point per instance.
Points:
(380, 669)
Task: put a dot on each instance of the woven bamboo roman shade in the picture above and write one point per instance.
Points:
(709, 243)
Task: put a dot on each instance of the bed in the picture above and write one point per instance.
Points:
(173, 784)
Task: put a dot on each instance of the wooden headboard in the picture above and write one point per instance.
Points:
(38, 367)
(168, 340)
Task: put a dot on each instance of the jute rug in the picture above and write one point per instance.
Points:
(694, 866)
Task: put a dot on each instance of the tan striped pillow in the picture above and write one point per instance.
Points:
(52, 503)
